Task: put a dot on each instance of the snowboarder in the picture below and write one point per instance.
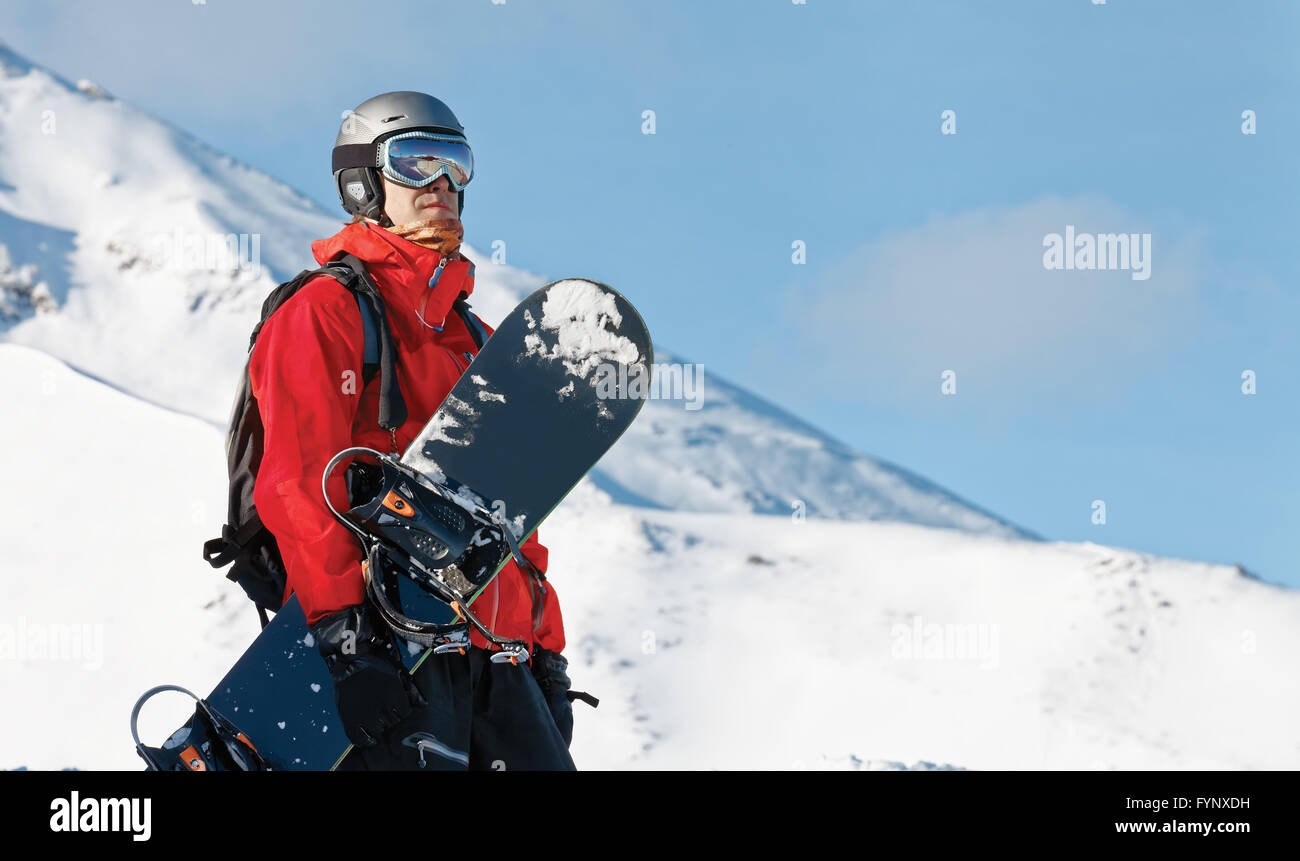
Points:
(401, 162)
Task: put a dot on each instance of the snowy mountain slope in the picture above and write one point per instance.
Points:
(141, 249)
(109, 501)
(742, 642)
(113, 257)
(713, 640)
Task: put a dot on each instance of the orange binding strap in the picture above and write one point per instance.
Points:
(397, 505)
(192, 760)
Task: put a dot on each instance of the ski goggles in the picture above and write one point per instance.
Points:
(416, 159)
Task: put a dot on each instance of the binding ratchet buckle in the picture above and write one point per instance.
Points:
(511, 654)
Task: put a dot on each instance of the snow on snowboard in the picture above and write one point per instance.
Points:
(555, 386)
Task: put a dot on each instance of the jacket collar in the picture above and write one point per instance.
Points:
(402, 270)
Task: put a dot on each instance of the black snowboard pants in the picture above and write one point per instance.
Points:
(480, 716)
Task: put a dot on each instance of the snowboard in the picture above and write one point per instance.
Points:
(557, 383)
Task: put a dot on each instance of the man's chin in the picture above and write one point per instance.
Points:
(430, 217)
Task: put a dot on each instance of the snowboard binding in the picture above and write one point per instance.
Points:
(438, 535)
(208, 742)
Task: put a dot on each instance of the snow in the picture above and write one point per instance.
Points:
(437, 431)
(116, 498)
(90, 88)
(775, 643)
(484, 395)
(466, 499)
(428, 473)
(584, 320)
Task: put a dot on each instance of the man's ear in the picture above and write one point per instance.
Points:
(385, 186)
(360, 191)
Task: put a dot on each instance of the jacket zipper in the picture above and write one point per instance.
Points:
(433, 282)
(539, 607)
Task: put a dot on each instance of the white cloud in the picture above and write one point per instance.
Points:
(970, 293)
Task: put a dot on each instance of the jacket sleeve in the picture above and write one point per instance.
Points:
(507, 606)
(306, 376)
(550, 633)
(548, 626)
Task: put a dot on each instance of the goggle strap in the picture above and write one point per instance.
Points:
(354, 155)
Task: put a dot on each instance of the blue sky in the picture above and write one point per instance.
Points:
(820, 122)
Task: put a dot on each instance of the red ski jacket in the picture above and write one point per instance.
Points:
(306, 376)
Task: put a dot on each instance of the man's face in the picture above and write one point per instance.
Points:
(405, 205)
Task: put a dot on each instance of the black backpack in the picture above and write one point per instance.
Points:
(245, 541)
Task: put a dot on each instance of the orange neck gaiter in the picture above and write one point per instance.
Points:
(438, 234)
(443, 235)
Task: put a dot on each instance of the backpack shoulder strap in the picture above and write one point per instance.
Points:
(379, 355)
(392, 407)
(471, 320)
(347, 276)
(370, 353)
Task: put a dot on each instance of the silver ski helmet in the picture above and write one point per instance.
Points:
(359, 150)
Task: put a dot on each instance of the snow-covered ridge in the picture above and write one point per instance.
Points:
(738, 452)
(152, 252)
(144, 259)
